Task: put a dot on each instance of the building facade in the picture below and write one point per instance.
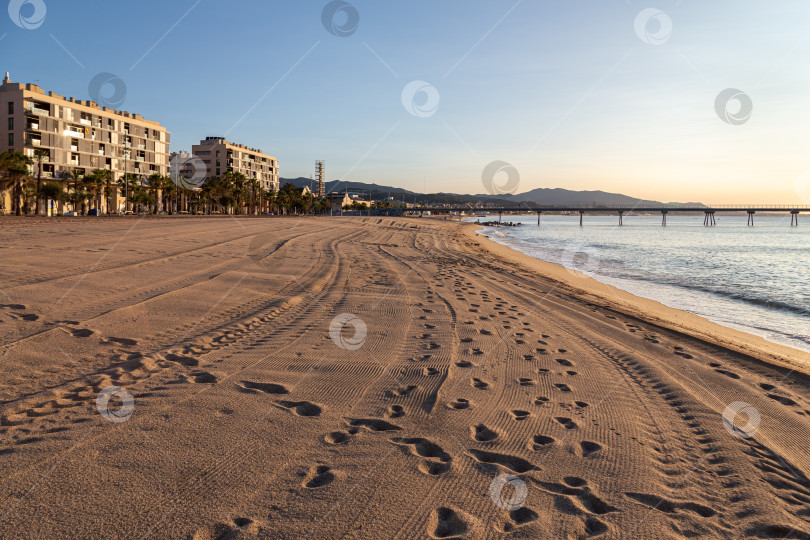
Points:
(221, 156)
(80, 135)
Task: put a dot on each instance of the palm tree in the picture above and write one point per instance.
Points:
(40, 154)
(52, 191)
(95, 181)
(169, 191)
(15, 164)
(76, 175)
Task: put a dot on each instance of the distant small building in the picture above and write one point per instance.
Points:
(338, 200)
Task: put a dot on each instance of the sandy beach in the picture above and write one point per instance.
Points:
(232, 377)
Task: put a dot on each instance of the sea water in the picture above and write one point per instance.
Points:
(755, 279)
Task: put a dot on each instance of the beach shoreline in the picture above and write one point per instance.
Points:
(654, 312)
(371, 377)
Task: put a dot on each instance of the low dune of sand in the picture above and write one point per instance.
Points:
(214, 378)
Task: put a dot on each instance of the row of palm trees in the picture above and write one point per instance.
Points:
(231, 193)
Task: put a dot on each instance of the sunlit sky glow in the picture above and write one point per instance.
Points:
(567, 92)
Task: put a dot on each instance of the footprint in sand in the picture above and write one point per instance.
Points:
(525, 381)
(373, 424)
(300, 408)
(126, 342)
(566, 422)
(576, 487)
(562, 387)
(465, 364)
(783, 400)
(564, 362)
(182, 360)
(401, 391)
(460, 404)
(727, 373)
(512, 463)
(340, 437)
(517, 518)
(478, 383)
(318, 476)
(250, 387)
(482, 433)
(519, 415)
(541, 441)
(445, 522)
(541, 400)
(395, 411)
(429, 371)
(204, 377)
(82, 332)
(437, 461)
(589, 447)
(670, 507)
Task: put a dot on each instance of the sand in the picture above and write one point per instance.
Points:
(372, 378)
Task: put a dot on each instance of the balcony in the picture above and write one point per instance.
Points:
(32, 125)
(71, 133)
(141, 147)
(31, 108)
(33, 142)
(84, 121)
(139, 158)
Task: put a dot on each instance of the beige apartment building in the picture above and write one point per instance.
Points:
(80, 135)
(221, 156)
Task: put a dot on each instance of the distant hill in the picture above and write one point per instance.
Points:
(539, 196)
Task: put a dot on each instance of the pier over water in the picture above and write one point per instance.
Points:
(708, 211)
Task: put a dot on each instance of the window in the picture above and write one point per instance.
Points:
(11, 139)
(10, 107)
(10, 123)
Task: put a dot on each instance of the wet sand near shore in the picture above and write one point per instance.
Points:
(372, 378)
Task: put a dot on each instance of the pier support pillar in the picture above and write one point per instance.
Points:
(500, 214)
(663, 219)
(580, 218)
(538, 219)
(709, 220)
(794, 218)
(751, 218)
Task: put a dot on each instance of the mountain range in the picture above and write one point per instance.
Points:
(539, 196)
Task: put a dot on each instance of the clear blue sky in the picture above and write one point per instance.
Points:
(567, 92)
